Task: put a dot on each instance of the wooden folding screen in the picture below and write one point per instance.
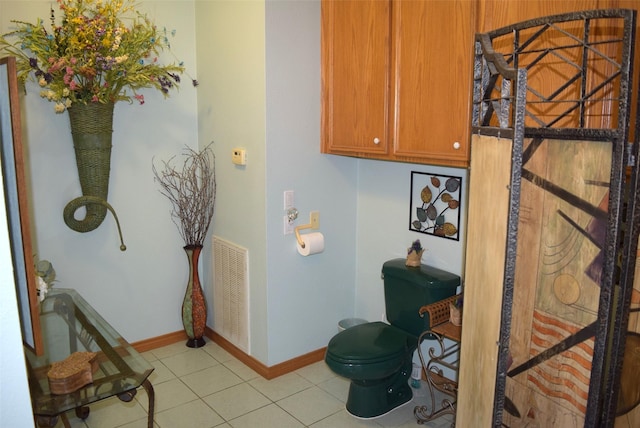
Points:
(552, 224)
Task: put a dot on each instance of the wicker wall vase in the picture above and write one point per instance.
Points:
(91, 130)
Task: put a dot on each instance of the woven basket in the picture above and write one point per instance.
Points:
(91, 130)
(72, 373)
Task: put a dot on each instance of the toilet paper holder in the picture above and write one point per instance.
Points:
(314, 223)
(297, 230)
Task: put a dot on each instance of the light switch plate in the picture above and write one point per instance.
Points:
(288, 226)
(288, 199)
(315, 219)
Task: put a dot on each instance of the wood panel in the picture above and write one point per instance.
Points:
(396, 84)
(630, 379)
(485, 263)
(527, 260)
(635, 93)
(553, 71)
(557, 281)
(433, 79)
(475, 409)
(494, 14)
(355, 76)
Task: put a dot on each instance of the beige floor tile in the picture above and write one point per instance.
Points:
(189, 362)
(281, 387)
(170, 350)
(316, 373)
(72, 419)
(149, 356)
(213, 379)
(140, 423)
(217, 352)
(192, 414)
(160, 373)
(240, 369)
(343, 419)
(168, 395)
(337, 386)
(113, 412)
(270, 416)
(234, 396)
(236, 401)
(400, 417)
(311, 405)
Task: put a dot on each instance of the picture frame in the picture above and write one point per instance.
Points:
(17, 206)
(435, 204)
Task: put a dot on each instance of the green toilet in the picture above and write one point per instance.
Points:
(377, 357)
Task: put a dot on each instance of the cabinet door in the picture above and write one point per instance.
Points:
(432, 79)
(355, 77)
(635, 115)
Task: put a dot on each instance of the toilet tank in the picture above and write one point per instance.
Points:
(407, 289)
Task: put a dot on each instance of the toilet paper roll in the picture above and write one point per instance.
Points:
(313, 244)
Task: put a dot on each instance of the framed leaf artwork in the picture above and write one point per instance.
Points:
(435, 204)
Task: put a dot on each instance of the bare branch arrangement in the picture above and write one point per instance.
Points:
(192, 191)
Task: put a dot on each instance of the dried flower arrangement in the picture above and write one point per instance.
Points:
(414, 254)
(100, 49)
(192, 191)
(45, 277)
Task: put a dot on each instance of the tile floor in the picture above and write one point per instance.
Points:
(208, 387)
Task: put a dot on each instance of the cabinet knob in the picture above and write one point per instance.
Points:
(456, 145)
(376, 140)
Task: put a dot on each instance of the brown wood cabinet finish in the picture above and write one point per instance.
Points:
(397, 79)
(355, 77)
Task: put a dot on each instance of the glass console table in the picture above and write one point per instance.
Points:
(70, 324)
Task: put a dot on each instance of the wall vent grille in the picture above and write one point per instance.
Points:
(231, 292)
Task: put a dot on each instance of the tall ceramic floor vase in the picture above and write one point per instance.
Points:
(91, 130)
(194, 309)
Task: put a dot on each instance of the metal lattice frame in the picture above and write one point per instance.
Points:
(511, 99)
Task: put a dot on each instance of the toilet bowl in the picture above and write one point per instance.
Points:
(376, 356)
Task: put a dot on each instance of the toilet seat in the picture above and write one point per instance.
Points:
(370, 343)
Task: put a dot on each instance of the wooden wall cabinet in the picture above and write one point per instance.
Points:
(396, 79)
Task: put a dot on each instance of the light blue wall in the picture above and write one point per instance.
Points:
(383, 228)
(138, 291)
(307, 295)
(383, 232)
(258, 64)
(231, 112)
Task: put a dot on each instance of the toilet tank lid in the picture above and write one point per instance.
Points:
(425, 275)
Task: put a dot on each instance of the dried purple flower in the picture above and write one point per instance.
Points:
(415, 246)
(458, 302)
